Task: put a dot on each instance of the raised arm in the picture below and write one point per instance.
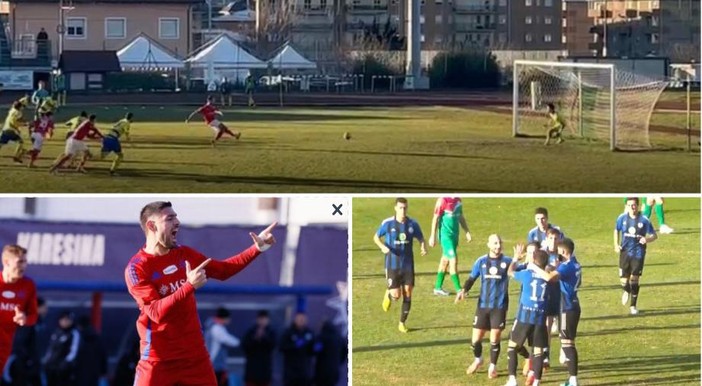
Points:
(192, 114)
(224, 269)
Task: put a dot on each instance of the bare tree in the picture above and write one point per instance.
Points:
(277, 21)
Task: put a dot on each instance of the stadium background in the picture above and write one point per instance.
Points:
(311, 252)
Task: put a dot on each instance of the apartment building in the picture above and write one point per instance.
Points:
(576, 28)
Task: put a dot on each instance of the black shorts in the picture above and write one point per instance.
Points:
(399, 277)
(522, 331)
(553, 304)
(630, 266)
(490, 318)
(568, 324)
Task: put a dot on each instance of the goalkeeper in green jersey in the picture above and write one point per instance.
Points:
(448, 216)
(555, 126)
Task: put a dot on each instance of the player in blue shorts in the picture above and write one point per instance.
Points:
(111, 142)
(636, 233)
(530, 322)
(395, 238)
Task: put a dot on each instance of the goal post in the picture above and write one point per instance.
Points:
(596, 101)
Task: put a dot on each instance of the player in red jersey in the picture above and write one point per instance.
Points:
(209, 113)
(18, 298)
(162, 277)
(41, 128)
(75, 145)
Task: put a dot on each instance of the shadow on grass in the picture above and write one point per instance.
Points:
(615, 267)
(644, 313)
(644, 285)
(406, 154)
(172, 115)
(663, 370)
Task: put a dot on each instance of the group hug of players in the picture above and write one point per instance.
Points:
(546, 268)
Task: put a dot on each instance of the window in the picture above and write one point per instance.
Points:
(307, 4)
(115, 28)
(564, 23)
(548, 3)
(527, 37)
(502, 37)
(75, 27)
(169, 28)
(421, 38)
(547, 38)
(438, 2)
(547, 19)
(527, 20)
(376, 4)
(323, 4)
(437, 19)
(527, 3)
(563, 39)
(421, 19)
(503, 19)
(503, 3)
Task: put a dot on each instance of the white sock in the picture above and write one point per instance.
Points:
(573, 381)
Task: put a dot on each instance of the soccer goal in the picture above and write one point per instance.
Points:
(595, 100)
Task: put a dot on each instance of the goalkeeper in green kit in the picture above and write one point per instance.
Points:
(448, 214)
(555, 126)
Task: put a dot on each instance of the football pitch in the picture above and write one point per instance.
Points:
(660, 346)
(391, 149)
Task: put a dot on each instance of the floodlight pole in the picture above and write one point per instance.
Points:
(61, 29)
(689, 107)
(604, 43)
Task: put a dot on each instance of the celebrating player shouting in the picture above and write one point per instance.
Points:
(209, 113)
(162, 280)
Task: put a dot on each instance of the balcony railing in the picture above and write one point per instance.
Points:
(27, 47)
(366, 8)
(472, 8)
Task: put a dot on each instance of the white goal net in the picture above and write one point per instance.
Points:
(596, 101)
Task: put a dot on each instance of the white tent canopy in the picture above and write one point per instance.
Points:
(143, 53)
(289, 58)
(224, 52)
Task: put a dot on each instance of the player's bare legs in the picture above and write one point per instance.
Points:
(59, 162)
(223, 128)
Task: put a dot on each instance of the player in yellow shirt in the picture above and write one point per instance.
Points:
(11, 130)
(111, 143)
(74, 122)
(555, 126)
(48, 105)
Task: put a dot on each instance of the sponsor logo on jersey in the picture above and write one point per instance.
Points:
(170, 269)
(8, 294)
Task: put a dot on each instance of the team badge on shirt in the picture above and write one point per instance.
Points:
(163, 290)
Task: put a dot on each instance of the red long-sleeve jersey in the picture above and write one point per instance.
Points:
(22, 294)
(86, 129)
(168, 324)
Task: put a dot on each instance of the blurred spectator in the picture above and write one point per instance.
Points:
(23, 368)
(250, 86)
(258, 344)
(212, 86)
(91, 361)
(217, 339)
(331, 351)
(128, 359)
(225, 90)
(297, 345)
(60, 358)
(42, 35)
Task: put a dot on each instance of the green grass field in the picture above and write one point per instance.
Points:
(391, 149)
(660, 346)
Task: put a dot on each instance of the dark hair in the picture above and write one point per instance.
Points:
(40, 301)
(541, 258)
(551, 106)
(48, 113)
(262, 314)
(129, 115)
(92, 117)
(534, 244)
(84, 114)
(17, 105)
(401, 200)
(635, 199)
(567, 244)
(541, 210)
(222, 313)
(150, 209)
(66, 314)
(553, 231)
